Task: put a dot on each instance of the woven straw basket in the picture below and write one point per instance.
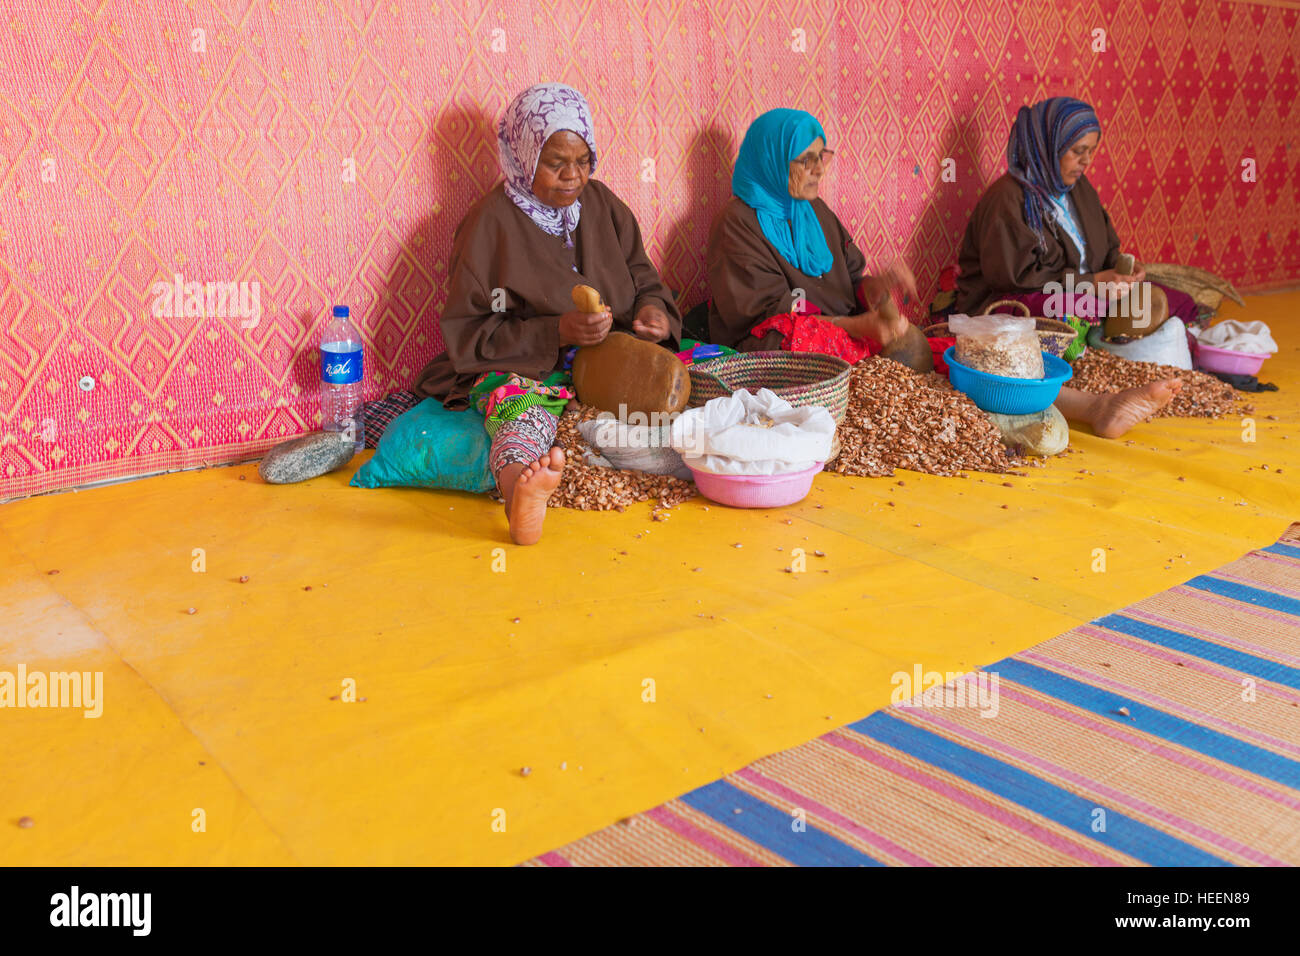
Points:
(801, 378)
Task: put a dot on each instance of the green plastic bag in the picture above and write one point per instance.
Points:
(1080, 343)
(430, 447)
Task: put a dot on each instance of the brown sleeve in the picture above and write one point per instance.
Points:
(855, 262)
(746, 282)
(650, 288)
(477, 338)
(853, 258)
(1008, 250)
(1112, 243)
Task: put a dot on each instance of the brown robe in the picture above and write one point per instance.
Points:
(496, 246)
(999, 252)
(750, 281)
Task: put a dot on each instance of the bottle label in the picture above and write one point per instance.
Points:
(340, 368)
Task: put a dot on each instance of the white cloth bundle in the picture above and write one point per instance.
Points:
(753, 434)
(1253, 338)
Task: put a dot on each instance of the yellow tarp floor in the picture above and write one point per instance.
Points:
(465, 674)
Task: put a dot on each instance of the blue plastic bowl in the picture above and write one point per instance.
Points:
(1005, 395)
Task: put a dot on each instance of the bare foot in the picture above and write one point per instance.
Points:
(527, 507)
(1122, 410)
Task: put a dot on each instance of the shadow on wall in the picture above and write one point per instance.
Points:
(413, 287)
(933, 246)
(708, 165)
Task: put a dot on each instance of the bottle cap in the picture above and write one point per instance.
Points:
(341, 312)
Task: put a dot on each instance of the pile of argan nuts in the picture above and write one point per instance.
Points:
(898, 418)
(591, 488)
(1202, 395)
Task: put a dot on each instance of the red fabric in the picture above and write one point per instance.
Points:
(808, 333)
(938, 344)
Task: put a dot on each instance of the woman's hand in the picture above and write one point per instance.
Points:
(1119, 281)
(651, 323)
(873, 326)
(893, 324)
(897, 276)
(585, 328)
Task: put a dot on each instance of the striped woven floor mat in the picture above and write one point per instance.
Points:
(1165, 734)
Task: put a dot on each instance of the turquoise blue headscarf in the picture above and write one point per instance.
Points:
(762, 182)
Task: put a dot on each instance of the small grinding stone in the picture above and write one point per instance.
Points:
(308, 456)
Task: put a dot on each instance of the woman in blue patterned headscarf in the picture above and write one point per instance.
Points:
(1041, 137)
(1042, 226)
(1043, 219)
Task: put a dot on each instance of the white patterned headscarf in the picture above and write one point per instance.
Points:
(529, 121)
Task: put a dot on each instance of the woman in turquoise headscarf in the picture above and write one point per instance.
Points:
(783, 270)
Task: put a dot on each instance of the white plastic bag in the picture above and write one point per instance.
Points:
(1251, 337)
(638, 447)
(1041, 434)
(998, 344)
(1167, 345)
(748, 433)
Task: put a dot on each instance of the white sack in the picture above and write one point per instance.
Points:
(1167, 345)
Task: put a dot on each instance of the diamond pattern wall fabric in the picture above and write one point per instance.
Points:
(311, 153)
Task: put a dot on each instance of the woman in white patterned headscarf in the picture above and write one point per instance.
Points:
(535, 115)
(509, 325)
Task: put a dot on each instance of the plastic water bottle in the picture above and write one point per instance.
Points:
(341, 368)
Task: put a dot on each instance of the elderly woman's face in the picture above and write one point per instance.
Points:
(1078, 157)
(806, 171)
(562, 169)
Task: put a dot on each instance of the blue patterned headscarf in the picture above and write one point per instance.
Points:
(1041, 135)
(529, 121)
(762, 181)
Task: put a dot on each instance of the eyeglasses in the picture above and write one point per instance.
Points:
(810, 162)
(581, 166)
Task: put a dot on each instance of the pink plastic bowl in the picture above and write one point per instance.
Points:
(1229, 362)
(756, 491)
